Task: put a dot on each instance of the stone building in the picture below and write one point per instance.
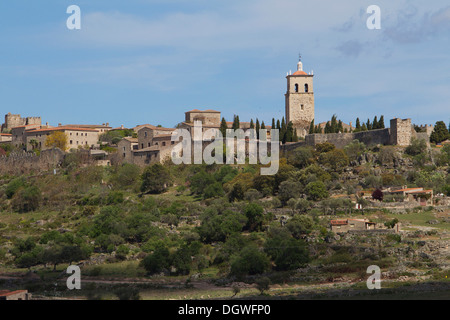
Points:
(15, 295)
(76, 137)
(125, 147)
(401, 132)
(5, 138)
(209, 118)
(15, 120)
(346, 225)
(101, 128)
(300, 100)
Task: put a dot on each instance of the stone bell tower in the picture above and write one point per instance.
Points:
(300, 99)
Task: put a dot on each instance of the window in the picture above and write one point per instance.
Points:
(164, 144)
(296, 87)
(302, 107)
(149, 144)
(145, 134)
(306, 87)
(71, 142)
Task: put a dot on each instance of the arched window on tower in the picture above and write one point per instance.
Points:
(306, 87)
(296, 87)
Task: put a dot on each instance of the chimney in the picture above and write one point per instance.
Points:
(107, 124)
(59, 124)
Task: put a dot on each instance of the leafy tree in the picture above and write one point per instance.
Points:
(325, 147)
(158, 261)
(354, 149)
(13, 186)
(378, 195)
(288, 253)
(316, 190)
(336, 159)
(255, 216)
(417, 147)
(440, 133)
(26, 199)
(288, 190)
(126, 175)
(57, 139)
(300, 225)
(263, 284)
(155, 179)
(250, 261)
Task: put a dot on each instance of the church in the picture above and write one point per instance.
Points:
(300, 99)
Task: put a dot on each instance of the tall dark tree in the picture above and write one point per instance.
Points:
(257, 128)
(223, 127)
(340, 127)
(288, 137)
(278, 124)
(273, 123)
(358, 125)
(252, 125)
(311, 127)
(368, 125)
(375, 123)
(333, 124)
(381, 123)
(295, 138)
(283, 130)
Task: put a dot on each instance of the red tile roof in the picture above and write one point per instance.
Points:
(63, 128)
(6, 293)
(300, 73)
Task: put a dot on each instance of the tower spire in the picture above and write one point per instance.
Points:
(299, 64)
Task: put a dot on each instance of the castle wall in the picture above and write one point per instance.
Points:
(15, 120)
(340, 140)
(28, 162)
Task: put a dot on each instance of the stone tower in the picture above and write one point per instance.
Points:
(401, 132)
(300, 100)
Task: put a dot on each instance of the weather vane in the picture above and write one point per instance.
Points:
(299, 57)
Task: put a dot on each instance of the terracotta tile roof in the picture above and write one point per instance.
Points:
(6, 293)
(133, 140)
(86, 125)
(300, 73)
(338, 222)
(6, 134)
(28, 125)
(152, 148)
(63, 128)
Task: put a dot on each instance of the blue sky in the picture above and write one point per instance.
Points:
(149, 61)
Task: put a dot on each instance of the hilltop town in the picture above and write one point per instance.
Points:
(110, 200)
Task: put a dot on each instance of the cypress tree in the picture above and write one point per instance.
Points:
(334, 124)
(375, 123)
(311, 127)
(381, 123)
(283, 130)
(252, 125)
(223, 127)
(368, 125)
(257, 128)
(295, 139)
(340, 126)
(358, 125)
(273, 123)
